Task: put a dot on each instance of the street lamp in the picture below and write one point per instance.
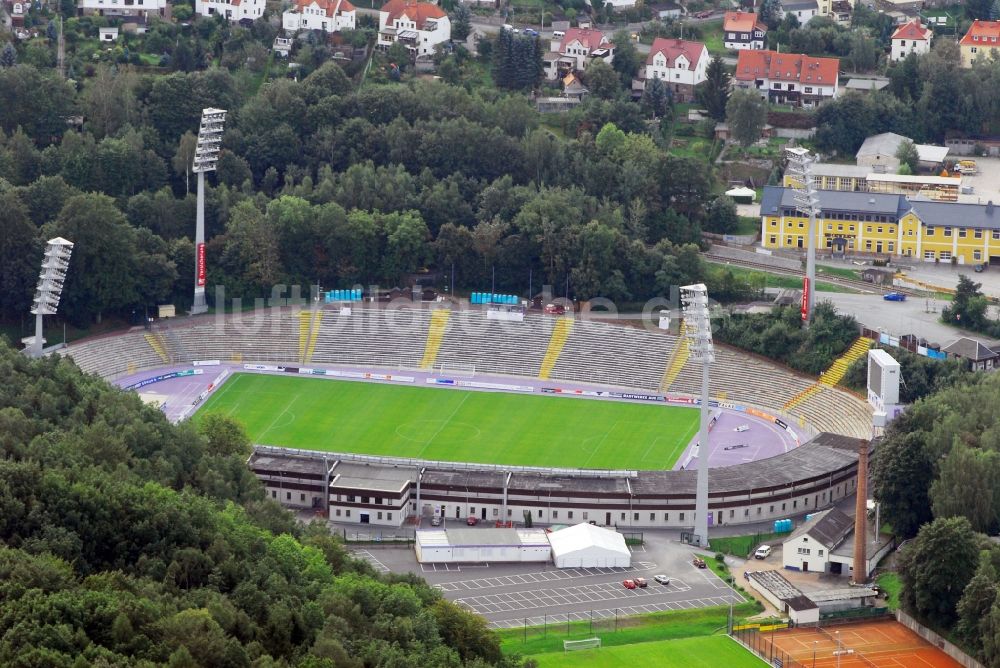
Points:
(838, 649)
(807, 202)
(206, 155)
(48, 292)
(815, 645)
(698, 328)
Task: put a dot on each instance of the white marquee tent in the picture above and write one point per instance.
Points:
(589, 546)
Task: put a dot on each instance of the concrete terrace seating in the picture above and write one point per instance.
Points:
(391, 338)
(110, 357)
(493, 346)
(594, 353)
(598, 352)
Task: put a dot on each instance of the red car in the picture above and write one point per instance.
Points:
(555, 309)
(629, 584)
(472, 521)
(641, 583)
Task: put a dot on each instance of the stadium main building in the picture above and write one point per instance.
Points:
(544, 353)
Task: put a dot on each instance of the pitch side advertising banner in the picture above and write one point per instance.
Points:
(201, 265)
(166, 376)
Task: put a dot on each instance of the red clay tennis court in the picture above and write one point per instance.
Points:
(880, 644)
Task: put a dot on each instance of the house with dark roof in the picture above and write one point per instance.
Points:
(803, 10)
(679, 64)
(743, 31)
(981, 356)
(825, 544)
(784, 596)
(788, 78)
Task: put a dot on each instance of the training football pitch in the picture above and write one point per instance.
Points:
(703, 652)
(455, 425)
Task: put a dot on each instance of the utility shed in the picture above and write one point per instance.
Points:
(589, 546)
(436, 546)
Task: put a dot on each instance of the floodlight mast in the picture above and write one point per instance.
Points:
(48, 292)
(698, 327)
(806, 202)
(206, 156)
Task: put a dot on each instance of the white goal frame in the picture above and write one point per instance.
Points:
(588, 643)
(468, 370)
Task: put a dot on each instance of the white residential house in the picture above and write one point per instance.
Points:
(582, 44)
(420, 26)
(803, 10)
(123, 8)
(232, 10)
(325, 15)
(743, 30)
(910, 38)
(108, 34)
(679, 64)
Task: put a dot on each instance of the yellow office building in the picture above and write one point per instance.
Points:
(885, 224)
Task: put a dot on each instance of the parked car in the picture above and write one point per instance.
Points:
(472, 521)
(629, 584)
(662, 579)
(531, 32)
(436, 521)
(894, 297)
(763, 552)
(555, 309)
(640, 582)
(979, 268)
(699, 562)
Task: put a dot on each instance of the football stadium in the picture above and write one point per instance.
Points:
(386, 415)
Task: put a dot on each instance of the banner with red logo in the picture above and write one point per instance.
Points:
(805, 298)
(201, 266)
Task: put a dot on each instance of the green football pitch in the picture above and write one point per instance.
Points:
(455, 425)
(703, 652)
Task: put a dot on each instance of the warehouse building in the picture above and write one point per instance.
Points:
(438, 546)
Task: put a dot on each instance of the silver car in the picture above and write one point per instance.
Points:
(662, 579)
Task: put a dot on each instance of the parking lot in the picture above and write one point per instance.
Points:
(514, 594)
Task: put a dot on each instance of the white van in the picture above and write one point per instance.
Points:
(763, 552)
(507, 26)
(558, 34)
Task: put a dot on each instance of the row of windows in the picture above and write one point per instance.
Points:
(806, 551)
(977, 233)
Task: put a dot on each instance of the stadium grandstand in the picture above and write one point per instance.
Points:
(811, 476)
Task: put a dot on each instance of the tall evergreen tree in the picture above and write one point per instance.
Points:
(714, 93)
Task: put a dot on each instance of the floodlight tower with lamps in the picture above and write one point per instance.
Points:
(698, 325)
(48, 292)
(806, 202)
(206, 155)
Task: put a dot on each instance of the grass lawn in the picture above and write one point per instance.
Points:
(891, 584)
(741, 546)
(705, 652)
(748, 225)
(840, 272)
(711, 35)
(454, 425)
(642, 629)
(764, 279)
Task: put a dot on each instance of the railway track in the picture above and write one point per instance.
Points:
(855, 284)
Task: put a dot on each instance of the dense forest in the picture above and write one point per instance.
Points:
(128, 541)
(320, 182)
(936, 474)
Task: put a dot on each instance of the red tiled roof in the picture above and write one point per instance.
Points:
(741, 22)
(418, 12)
(329, 7)
(912, 30)
(672, 48)
(786, 67)
(982, 31)
(592, 39)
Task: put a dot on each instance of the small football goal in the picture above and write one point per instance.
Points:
(589, 643)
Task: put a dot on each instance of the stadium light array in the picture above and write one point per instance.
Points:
(698, 330)
(48, 292)
(206, 156)
(806, 202)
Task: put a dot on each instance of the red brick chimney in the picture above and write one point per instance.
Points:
(861, 516)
